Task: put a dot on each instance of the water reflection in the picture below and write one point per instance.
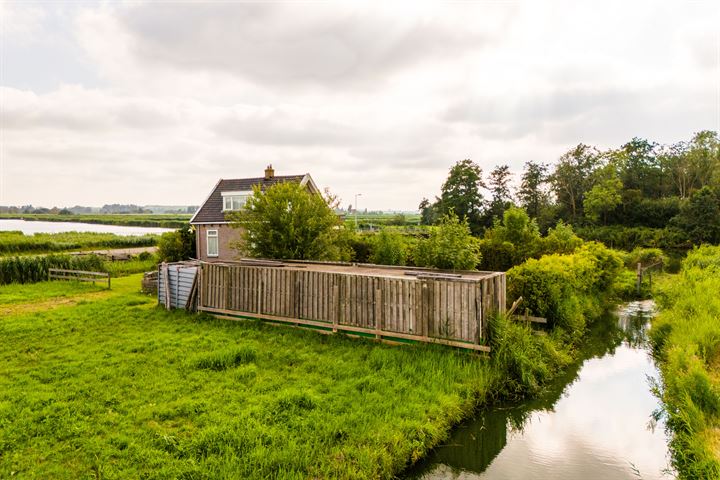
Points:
(592, 423)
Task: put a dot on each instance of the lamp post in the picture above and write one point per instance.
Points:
(356, 208)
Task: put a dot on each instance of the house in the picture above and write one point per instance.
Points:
(213, 234)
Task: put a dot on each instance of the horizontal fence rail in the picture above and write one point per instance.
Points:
(78, 275)
(424, 308)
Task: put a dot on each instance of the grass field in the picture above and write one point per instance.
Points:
(103, 384)
(686, 342)
(13, 243)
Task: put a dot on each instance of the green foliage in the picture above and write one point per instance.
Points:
(699, 217)
(138, 264)
(573, 177)
(532, 194)
(30, 269)
(629, 238)
(529, 360)
(286, 221)
(389, 248)
(561, 239)
(602, 198)
(14, 242)
(646, 256)
(460, 194)
(177, 246)
(567, 289)
(686, 341)
(511, 242)
(450, 246)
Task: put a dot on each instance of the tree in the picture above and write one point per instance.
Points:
(177, 246)
(699, 217)
(604, 196)
(638, 167)
(532, 195)
(461, 193)
(287, 222)
(572, 178)
(499, 185)
(427, 211)
(450, 246)
(511, 241)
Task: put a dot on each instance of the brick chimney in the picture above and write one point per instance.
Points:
(269, 172)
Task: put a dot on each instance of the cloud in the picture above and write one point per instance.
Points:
(150, 102)
(291, 44)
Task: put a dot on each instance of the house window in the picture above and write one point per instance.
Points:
(212, 243)
(234, 200)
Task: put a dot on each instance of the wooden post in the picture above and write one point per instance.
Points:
(108, 281)
(166, 284)
(336, 305)
(378, 314)
(639, 277)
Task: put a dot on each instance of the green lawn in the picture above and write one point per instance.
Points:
(111, 386)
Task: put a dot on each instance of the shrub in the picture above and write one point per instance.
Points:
(389, 248)
(177, 246)
(449, 246)
(566, 289)
(646, 256)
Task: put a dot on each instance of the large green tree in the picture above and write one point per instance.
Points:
(573, 177)
(699, 217)
(499, 186)
(461, 194)
(532, 194)
(286, 221)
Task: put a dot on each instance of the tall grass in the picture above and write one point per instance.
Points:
(686, 342)
(30, 269)
(16, 242)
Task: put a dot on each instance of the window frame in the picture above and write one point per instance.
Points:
(214, 234)
(231, 198)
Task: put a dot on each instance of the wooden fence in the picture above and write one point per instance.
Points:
(425, 308)
(78, 276)
(177, 284)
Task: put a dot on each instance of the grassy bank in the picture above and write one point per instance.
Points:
(13, 243)
(118, 388)
(686, 342)
(134, 220)
(105, 384)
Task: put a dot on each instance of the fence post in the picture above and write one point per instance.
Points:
(639, 277)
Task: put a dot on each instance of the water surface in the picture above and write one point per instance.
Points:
(594, 422)
(32, 227)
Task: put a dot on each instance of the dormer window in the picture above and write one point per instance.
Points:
(234, 200)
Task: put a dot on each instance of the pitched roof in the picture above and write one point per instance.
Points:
(212, 210)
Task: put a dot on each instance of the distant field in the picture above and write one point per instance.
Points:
(103, 384)
(366, 220)
(13, 243)
(149, 220)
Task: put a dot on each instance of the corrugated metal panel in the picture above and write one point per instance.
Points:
(180, 282)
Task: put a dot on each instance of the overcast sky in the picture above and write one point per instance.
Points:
(152, 103)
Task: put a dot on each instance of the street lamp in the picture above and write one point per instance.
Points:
(356, 208)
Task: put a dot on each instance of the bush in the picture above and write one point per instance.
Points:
(177, 246)
(646, 256)
(450, 246)
(566, 289)
(389, 248)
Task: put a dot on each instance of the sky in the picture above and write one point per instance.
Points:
(153, 102)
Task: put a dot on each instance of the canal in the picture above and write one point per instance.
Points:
(594, 422)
